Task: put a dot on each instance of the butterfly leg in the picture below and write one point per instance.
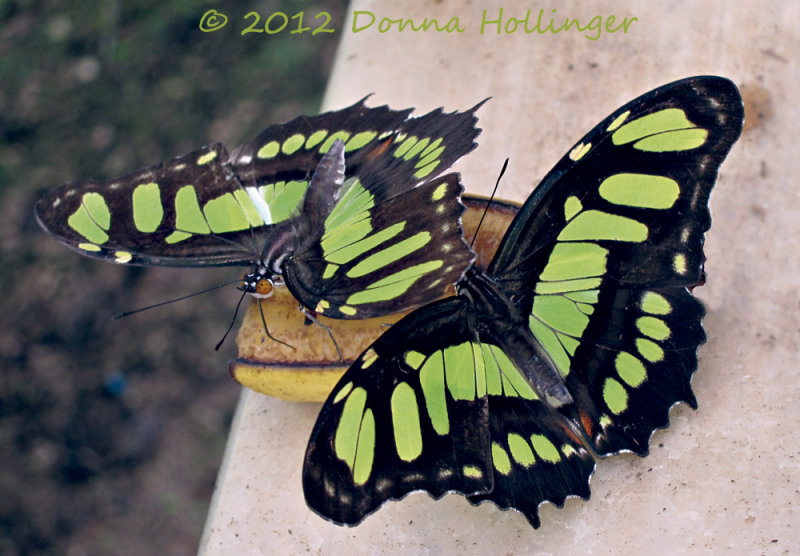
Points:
(313, 318)
(266, 329)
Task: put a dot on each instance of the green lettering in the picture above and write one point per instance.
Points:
(594, 25)
(497, 21)
(356, 15)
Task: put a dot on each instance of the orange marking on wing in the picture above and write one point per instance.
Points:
(574, 437)
(586, 421)
(380, 149)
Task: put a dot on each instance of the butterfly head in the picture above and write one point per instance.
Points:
(260, 283)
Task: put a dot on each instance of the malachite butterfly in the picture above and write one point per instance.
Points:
(375, 232)
(577, 340)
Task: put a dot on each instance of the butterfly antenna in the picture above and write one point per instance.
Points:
(162, 303)
(491, 198)
(233, 320)
(263, 321)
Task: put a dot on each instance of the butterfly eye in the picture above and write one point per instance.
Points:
(258, 286)
(264, 288)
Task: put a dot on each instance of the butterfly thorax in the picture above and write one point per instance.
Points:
(279, 246)
(500, 321)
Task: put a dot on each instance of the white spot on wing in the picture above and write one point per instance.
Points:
(261, 205)
(413, 478)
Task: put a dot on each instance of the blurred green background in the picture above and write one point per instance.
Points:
(112, 431)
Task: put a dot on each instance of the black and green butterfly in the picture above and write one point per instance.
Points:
(579, 338)
(372, 234)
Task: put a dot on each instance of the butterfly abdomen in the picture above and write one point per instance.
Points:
(501, 322)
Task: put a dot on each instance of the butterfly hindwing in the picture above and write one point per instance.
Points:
(634, 362)
(421, 149)
(430, 406)
(404, 417)
(377, 259)
(382, 246)
(536, 457)
(386, 151)
(286, 153)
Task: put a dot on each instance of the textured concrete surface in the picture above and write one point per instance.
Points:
(722, 479)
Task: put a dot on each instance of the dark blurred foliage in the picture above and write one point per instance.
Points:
(112, 431)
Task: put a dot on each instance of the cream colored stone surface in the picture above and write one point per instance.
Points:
(723, 479)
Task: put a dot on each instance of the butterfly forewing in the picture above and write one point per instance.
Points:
(619, 223)
(639, 183)
(171, 214)
(208, 208)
